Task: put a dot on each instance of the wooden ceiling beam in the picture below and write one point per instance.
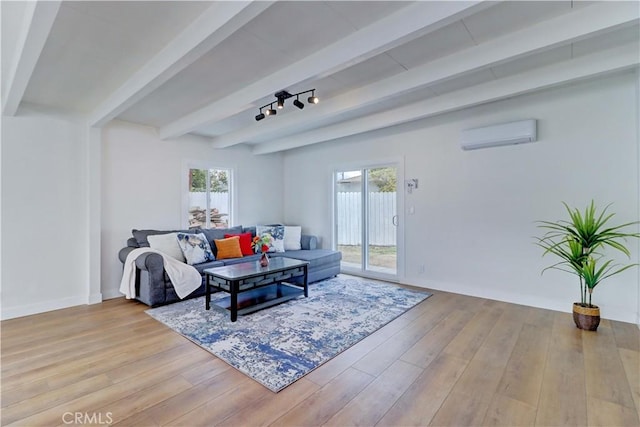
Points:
(38, 20)
(581, 68)
(405, 24)
(559, 31)
(211, 28)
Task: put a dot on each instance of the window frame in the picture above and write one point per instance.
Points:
(194, 164)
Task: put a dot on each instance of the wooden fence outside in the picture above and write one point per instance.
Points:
(382, 208)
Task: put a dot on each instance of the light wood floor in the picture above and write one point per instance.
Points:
(452, 360)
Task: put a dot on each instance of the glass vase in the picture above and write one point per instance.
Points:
(264, 259)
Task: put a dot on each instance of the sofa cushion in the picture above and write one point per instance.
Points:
(245, 242)
(218, 233)
(141, 235)
(209, 264)
(195, 247)
(317, 257)
(292, 237)
(167, 244)
(228, 248)
(277, 236)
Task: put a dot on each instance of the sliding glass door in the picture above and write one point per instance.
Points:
(366, 220)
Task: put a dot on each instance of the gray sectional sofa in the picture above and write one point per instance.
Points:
(154, 288)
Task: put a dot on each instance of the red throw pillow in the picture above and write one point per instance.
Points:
(245, 242)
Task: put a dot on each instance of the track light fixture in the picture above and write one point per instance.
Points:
(281, 97)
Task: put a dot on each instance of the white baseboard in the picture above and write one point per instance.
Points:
(515, 298)
(95, 298)
(41, 307)
(111, 294)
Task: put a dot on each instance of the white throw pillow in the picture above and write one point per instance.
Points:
(167, 244)
(292, 237)
(277, 236)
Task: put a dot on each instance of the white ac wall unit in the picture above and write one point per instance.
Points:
(497, 135)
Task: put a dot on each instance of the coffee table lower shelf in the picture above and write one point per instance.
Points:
(261, 298)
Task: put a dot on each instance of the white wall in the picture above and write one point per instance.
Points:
(637, 113)
(478, 207)
(475, 212)
(44, 239)
(142, 184)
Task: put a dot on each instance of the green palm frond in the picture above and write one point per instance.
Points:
(580, 244)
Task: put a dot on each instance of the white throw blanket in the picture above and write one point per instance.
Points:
(185, 278)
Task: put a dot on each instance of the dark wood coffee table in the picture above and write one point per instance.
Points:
(252, 287)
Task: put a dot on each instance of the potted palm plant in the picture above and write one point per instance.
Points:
(580, 243)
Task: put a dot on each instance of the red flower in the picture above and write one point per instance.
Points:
(262, 242)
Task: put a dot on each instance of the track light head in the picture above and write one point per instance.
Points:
(298, 104)
(313, 99)
(260, 116)
(271, 111)
(280, 103)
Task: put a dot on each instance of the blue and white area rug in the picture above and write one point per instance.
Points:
(281, 344)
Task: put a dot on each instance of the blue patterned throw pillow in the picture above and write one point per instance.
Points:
(277, 236)
(195, 248)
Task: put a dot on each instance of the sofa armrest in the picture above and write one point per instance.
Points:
(146, 261)
(151, 262)
(308, 242)
(124, 252)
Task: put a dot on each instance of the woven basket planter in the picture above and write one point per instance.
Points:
(587, 318)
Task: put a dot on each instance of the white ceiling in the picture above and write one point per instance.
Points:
(206, 67)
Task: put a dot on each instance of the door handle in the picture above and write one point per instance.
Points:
(394, 220)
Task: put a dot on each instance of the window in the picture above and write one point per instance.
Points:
(209, 198)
